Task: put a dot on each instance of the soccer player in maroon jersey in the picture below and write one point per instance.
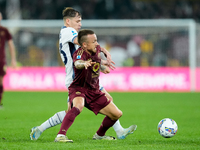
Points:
(84, 90)
(5, 36)
(68, 40)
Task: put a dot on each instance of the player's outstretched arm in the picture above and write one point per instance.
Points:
(105, 69)
(109, 60)
(80, 64)
(105, 62)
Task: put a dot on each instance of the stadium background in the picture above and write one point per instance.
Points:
(131, 47)
(26, 109)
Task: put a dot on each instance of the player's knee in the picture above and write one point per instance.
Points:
(120, 114)
(117, 115)
(111, 98)
(79, 106)
(78, 103)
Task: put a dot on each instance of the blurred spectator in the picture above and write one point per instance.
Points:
(110, 9)
(5, 38)
(139, 50)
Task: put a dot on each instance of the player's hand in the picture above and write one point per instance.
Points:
(88, 63)
(105, 69)
(109, 62)
(13, 64)
(110, 65)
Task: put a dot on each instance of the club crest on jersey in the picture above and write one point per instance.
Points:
(96, 67)
(78, 57)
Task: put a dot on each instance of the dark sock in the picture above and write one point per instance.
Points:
(106, 124)
(68, 120)
(1, 93)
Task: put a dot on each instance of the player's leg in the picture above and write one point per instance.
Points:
(78, 105)
(1, 90)
(56, 119)
(112, 115)
(120, 131)
(2, 73)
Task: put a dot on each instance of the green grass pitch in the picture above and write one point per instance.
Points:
(24, 110)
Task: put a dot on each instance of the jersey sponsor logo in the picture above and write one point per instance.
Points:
(78, 57)
(78, 93)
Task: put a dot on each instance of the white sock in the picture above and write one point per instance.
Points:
(117, 127)
(53, 121)
(59, 135)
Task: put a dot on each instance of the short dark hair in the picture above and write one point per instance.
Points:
(70, 12)
(82, 35)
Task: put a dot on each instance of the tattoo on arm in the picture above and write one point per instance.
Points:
(79, 64)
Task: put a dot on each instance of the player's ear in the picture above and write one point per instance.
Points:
(67, 21)
(84, 44)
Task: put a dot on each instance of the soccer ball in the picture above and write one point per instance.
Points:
(167, 127)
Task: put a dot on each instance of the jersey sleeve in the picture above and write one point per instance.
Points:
(68, 34)
(8, 35)
(78, 55)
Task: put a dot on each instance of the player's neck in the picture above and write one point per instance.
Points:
(85, 49)
(88, 52)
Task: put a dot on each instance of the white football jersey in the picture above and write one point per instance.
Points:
(66, 49)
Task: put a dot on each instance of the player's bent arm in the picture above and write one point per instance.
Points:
(106, 53)
(81, 64)
(76, 41)
(104, 69)
(12, 53)
(109, 59)
(105, 62)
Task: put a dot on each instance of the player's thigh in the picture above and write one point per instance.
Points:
(79, 102)
(112, 111)
(107, 94)
(68, 107)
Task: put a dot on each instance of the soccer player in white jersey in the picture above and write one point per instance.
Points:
(68, 43)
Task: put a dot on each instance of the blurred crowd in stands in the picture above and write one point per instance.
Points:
(109, 9)
(36, 48)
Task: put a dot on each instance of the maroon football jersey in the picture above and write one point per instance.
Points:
(87, 78)
(4, 36)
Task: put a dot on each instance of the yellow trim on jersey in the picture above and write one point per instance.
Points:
(96, 67)
(80, 52)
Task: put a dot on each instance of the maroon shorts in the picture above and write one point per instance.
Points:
(94, 100)
(2, 68)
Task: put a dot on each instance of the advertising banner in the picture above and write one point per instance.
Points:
(121, 79)
(147, 79)
(35, 78)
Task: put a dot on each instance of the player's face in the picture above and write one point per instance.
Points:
(92, 43)
(75, 23)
